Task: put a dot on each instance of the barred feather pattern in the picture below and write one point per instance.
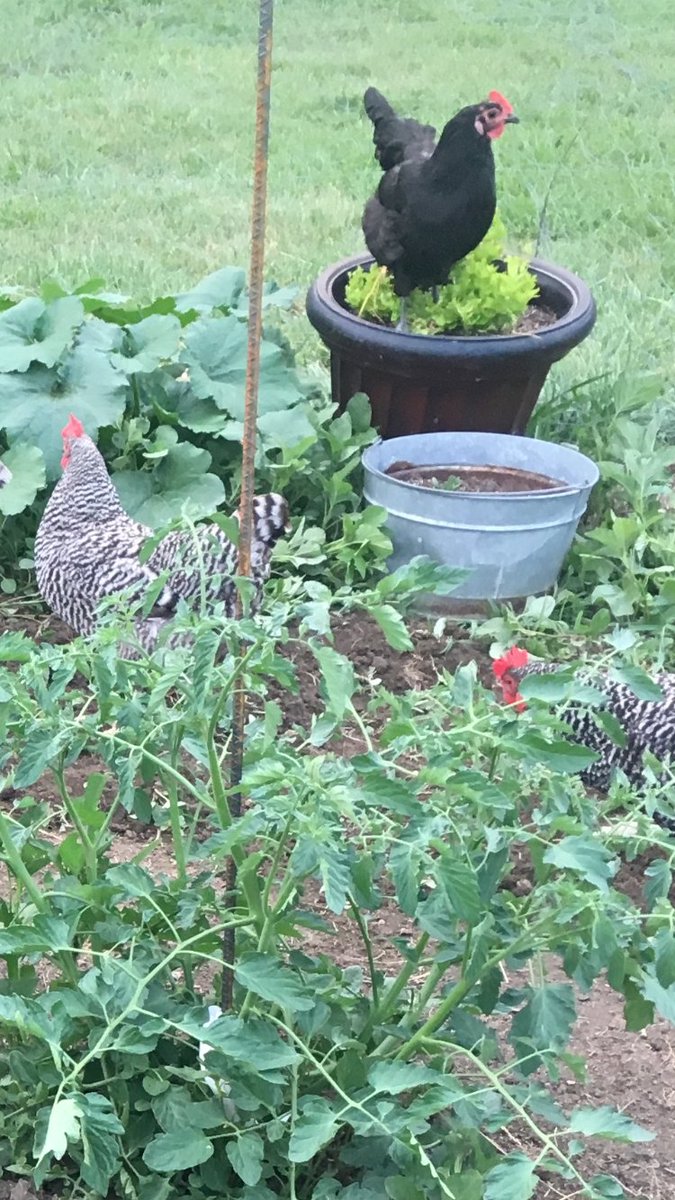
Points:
(647, 725)
(87, 548)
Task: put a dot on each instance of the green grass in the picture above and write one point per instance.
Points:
(128, 127)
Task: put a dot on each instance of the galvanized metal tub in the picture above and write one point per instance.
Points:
(512, 543)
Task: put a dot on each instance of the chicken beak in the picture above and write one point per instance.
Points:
(512, 119)
(5, 475)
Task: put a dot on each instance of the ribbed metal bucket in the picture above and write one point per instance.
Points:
(513, 543)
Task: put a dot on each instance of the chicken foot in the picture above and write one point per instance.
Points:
(403, 326)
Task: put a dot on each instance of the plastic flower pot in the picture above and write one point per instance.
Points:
(427, 384)
(512, 542)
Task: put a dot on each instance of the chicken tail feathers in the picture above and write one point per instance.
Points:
(396, 138)
(376, 105)
(271, 518)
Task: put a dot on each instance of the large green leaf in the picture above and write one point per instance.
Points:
(204, 416)
(608, 1123)
(40, 749)
(148, 343)
(544, 1023)
(180, 478)
(27, 465)
(35, 405)
(460, 883)
(287, 427)
(608, 1187)
(552, 687)
(392, 625)
(396, 1077)
(33, 332)
(246, 1155)
(663, 998)
(315, 1126)
(254, 1042)
(177, 1151)
(639, 682)
(336, 878)
(586, 857)
(267, 977)
(100, 1128)
(220, 289)
(22, 939)
(215, 352)
(664, 946)
(273, 297)
(63, 1123)
(512, 1179)
(563, 756)
(337, 677)
(404, 869)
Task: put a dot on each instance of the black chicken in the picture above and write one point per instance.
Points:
(435, 201)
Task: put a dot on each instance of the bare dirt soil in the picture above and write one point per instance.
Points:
(635, 1072)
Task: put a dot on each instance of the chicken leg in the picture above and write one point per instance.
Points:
(403, 326)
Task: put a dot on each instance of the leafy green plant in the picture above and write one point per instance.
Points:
(158, 383)
(488, 292)
(161, 387)
(325, 1077)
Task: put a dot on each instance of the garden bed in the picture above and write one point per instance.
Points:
(638, 1069)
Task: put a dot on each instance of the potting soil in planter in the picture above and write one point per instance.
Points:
(487, 478)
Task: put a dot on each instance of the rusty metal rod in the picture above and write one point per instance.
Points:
(255, 307)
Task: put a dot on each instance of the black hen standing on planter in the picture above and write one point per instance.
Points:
(436, 200)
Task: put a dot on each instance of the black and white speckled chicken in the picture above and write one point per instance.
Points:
(88, 547)
(436, 200)
(647, 725)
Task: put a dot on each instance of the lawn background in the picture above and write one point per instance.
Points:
(128, 129)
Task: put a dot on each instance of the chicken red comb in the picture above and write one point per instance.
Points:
(73, 429)
(515, 657)
(497, 98)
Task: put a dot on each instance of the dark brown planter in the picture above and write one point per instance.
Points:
(422, 384)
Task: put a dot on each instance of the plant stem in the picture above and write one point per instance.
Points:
(87, 844)
(174, 809)
(18, 867)
(363, 929)
(454, 998)
(21, 873)
(496, 1083)
(381, 1013)
(250, 889)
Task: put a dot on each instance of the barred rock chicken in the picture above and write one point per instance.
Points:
(647, 725)
(436, 200)
(87, 548)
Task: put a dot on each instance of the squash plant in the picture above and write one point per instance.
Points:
(161, 388)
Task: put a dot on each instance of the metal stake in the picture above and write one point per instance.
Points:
(255, 297)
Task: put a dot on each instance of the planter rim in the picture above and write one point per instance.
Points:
(511, 498)
(343, 329)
